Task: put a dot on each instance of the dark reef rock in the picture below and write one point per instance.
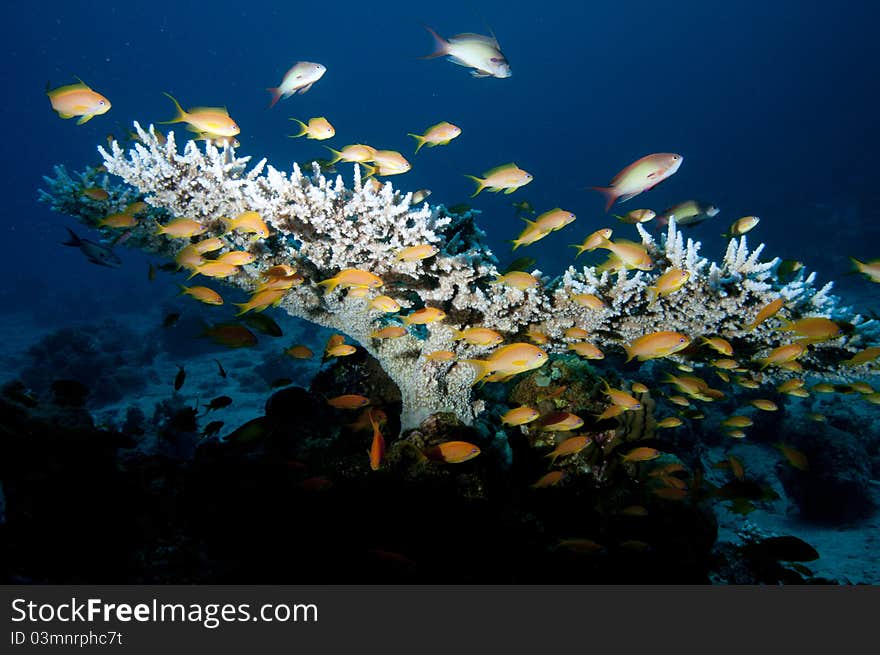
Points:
(836, 487)
(109, 359)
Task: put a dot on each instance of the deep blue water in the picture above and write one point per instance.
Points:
(770, 103)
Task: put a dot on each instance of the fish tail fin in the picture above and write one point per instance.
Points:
(629, 353)
(370, 170)
(243, 308)
(85, 118)
(608, 193)
(336, 155)
(303, 128)
(181, 115)
(420, 141)
(195, 272)
(74, 240)
(857, 265)
(183, 289)
(441, 45)
(516, 243)
(482, 369)
(581, 250)
(160, 229)
(481, 184)
(276, 95)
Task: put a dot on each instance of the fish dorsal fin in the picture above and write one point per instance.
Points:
(84, 85)
(501, 168)
(208, 110)
(79, 86)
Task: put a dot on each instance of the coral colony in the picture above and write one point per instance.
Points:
(320, 227)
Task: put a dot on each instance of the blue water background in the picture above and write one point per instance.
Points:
(772, 105)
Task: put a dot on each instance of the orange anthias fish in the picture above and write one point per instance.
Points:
(795, 457)
(377, 448)
(641, 175)
(232, 335)
(318, 128)
(560, 422)
(206, 121)
(349, 401)
(78, 100)
(642, 454)
(507, 361)
(521, 415)
(249, 222)
(452, 452)
(570, 446)
(550, 479)
(656, 345)
(593, 241)
(352, 277)
(436, 135)
(507, 178)
(300, 78)
(771, 309)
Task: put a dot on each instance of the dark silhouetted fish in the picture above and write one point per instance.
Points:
(180, 378)
(170, 319)
(219, 403)
(263, 323)
(220, 369)
(212, 428)
(94, 252)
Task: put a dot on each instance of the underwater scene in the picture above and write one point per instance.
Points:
(469, 292)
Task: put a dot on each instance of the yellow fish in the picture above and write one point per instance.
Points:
(764, 404)
(387, 162)
(595, 240)
(570, 446)
(340, 350)
(479, 336)
(518, 280)
(560, 422)
(642, 454)
(214, 269)
(814, 328)
(638, 387)
(769, 310)
(576, 333)
(586, 350)
(424, 316)
(507, 178)
(248, 222)
(213, 121)
(621, 398)
(202, 294)
(589, 301)
(863, 356)
(352, 277)
(531, 234)
(415, 253)
(789, 385)
(436, 135)
(656, 345)
(719, 345)
(118, 221)
(318, 128)
(870, 269)
(78, 100)
(550, 479)
(236, 257)
(208, 245)
(440, 356)
(783, 354)
(668, 283)
(740, 226)
(189, 257)
(737, 421)
(555, 219)
(637, 216)
(261, 300)
(385, 304)
(519, 415)
(181, 228)
(390, 332)
(642, 175)
(669, 422)
(630, 255)
(508, 361)
(356, 153)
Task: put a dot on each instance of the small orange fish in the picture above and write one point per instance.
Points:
(232, 335)
(78, 100)
(642, 454)
(586, 350)
(424, 316)
(440, 356)
(795, 457)
(589, 300)
(299, 352)
(96, 193)
(248, 222)
(634, 510)
(576, 333)
(520, 415)
(213, 121)
(656, 345)
(550, 479)
(342, 350)
(452, 452)
(349, 401)
(389, 332)
(507, 178)
(719, 345)
(593, 241)
(385, 304)
(570, 446)
(377, 448)
(352, 277)
(560, 422)
(642, 175)
(768, 311)
(202, 294)
(181, 228)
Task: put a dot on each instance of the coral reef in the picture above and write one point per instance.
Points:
(321, 227)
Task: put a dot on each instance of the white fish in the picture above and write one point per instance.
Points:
(299, 78)
(482, 53)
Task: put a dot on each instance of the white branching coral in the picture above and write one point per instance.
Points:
(321, 226)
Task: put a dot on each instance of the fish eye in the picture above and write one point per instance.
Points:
(681, 340)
